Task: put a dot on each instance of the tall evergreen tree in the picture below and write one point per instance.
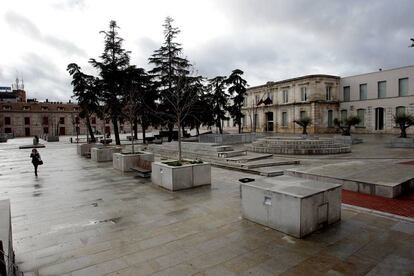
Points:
(170, 68)
(238, 92)
(112, 65)
(85, 93)
(219, 99)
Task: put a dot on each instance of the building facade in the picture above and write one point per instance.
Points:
(22, 118)
(274, 106)
(374, 97)
(377, 97)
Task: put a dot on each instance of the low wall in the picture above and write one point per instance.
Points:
(229, 139)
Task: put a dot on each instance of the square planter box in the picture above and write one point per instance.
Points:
(103, 154)
(292, 205)
(124, 162)
(176, 178)
(84, 149)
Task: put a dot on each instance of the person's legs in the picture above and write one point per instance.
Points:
(35, 167)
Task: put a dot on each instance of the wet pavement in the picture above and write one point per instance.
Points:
(83, 218)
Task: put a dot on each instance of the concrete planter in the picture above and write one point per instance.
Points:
(402, 143)
(52, 138)
(124, 162)
(175, 178)
(104, 154)
(84, 149)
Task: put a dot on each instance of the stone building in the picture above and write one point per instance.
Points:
(377, 97)
(374, 97)
(20, 117)
(274, 106)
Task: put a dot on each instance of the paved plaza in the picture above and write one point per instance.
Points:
(80, 217)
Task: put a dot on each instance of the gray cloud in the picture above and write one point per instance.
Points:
(28, 28)
(69, 4)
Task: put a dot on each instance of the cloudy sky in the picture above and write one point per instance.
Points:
(268, 40)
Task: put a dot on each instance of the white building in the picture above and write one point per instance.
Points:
(374, 97)
(377, 97)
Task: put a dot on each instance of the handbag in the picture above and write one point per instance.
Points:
(40, 161)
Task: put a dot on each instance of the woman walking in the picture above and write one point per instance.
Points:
(36, 160)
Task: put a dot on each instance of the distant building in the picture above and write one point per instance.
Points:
(272, 107)
(28, 117)
(374, 97)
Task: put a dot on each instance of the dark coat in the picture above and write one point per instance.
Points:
(35, 158)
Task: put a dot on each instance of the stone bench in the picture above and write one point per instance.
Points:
(142, 168)
(291, 205)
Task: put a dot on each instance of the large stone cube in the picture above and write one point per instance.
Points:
(125, 161)
(291, 205)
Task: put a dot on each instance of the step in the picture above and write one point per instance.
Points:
(222, 148)
(233, 153)
(269, 163)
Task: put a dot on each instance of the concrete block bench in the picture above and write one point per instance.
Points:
(291, 205)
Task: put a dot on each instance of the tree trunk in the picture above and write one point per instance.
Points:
(179, 137)
(136, 128)
(304, 132)
(132, 140)
(143, 133)
(219, 126)
(239, 125)
(88, 124)
(198, 130)
(403, 132)
(116, 131)
(170, 132)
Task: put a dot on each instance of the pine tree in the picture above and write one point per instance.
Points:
(238, 92)
(112, 66)
(219, 99)
(85, 93)
(170, 69)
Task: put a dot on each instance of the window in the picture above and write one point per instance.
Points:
(44, 108)
(403, 87)
(7, 130)
(302, 114)
(285, 96)
(347, 94)
(399, 110)
(244, 121)
(26, 107)
(61, 108)
(361, 116)
(257, 99)
(363, 91)
(284, 119)
(270, 95)
(303, 94)
(7, 120)
(330, 118)
(344, 115)
(6, 107)
(46, 130)
(62, 120)
(45, 120)
(75, 108)
(382, 89)
(328, 95)
(77, 120)
(27, 120)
